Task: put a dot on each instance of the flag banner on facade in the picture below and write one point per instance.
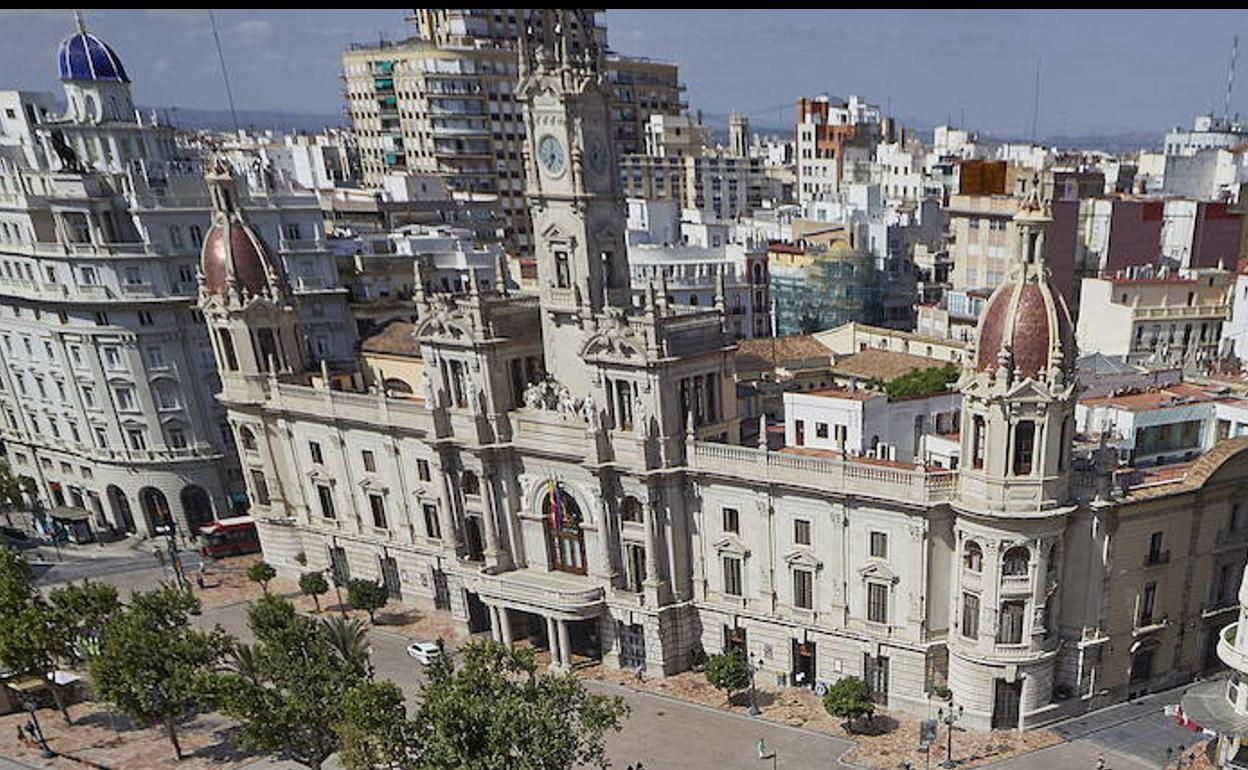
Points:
(556, 505)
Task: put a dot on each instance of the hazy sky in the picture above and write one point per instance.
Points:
(1101, 71)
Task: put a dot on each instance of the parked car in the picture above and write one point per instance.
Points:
(423, 653)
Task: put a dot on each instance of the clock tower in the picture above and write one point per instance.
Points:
(572, 185)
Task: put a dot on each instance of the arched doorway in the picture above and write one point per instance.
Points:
(197, 507)
(155, 509)
(123, 519)
(564, 538)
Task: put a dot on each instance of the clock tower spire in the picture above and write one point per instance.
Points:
(572, 184)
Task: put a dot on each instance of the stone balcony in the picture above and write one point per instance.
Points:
(540, 592)
(825, 473)
(1228, 652)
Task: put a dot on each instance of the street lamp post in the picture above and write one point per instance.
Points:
(953, 715)
(333, 578)
(753, 692)
(32, 707)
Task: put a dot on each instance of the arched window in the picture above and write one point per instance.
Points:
(397, 387)
(630, 510)
(564, 537)
(470, 484)
(1015, 561)
(973, 556)
(247, 438)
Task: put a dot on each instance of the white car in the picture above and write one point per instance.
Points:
(423, 653)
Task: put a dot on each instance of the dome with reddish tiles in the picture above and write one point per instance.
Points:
(1026, 323)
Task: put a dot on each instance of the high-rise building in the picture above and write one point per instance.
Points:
(444, 102)
(106, 372)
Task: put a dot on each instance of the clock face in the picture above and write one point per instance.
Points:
(596, 156)
(550, 153)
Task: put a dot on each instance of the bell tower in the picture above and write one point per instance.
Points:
(244, 293)
(572, 185)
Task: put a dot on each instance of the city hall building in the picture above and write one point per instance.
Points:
(565, 466)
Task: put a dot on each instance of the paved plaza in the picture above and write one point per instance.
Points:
(661, 731)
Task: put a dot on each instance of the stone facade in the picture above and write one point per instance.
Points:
(565, 466)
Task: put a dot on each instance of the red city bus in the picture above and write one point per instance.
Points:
(230, 537)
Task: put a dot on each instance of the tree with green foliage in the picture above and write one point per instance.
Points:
(10, 491)
(349, 638)
(367, 595)
(729, 671)
(289, 689)
(38, 633)
(375, 732)
(261, 572)
(152, 662)
(849, 699)
(497, 712)
(315, 585)
(82, 611)
(922, 382)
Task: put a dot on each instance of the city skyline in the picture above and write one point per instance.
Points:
(1099, 71)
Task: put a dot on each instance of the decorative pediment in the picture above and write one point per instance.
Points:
(319, 476)
(878, 571)
(443, 321)
(802, 557)
(731, 544)
(373, 485)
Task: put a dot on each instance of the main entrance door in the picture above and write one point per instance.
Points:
(803, 664)
(441, 591)
(1005, 704)
(390, 577)
(875, 672)
(632, 645)
(478, 613)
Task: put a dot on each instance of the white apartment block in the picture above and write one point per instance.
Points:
(106, 373)
(1162, 320)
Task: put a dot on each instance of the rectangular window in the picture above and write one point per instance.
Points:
(877, 602)
(125, 399)
(314, 449)
(821, 430)
(156, 358)
(1155, 554)
(803, 589)
(112, 358)
(1024, 447)
(88, 396)
(177, 438)
(732, 520)
(370, 462)
(1148, 603)
(1010, 631)
(433, 527)
(970, 616)
(138, 441)
(801, 531)
(378, 506)
(732, 576)
(146, 318)
(326, 496)
(259, 487)
(978, 440)
(422, 470)
(879, 545)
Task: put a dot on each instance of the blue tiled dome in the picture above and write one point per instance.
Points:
(83, 56)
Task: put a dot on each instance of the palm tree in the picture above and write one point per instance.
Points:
(243, 660)
(349, 638)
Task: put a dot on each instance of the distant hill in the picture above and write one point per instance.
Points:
(185, 117)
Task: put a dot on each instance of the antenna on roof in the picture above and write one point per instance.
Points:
(225, 74)
(1035, 105)
(1230, 78)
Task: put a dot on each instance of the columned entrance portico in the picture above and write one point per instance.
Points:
(551, 610)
